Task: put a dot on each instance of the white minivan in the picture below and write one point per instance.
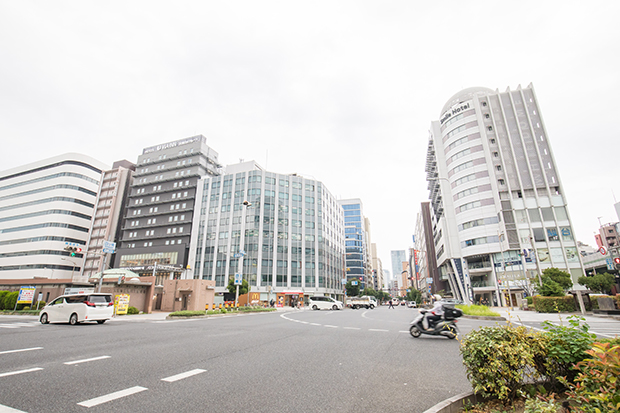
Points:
(320, 302)
(76, 308)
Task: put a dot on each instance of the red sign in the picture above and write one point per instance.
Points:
(602, 250)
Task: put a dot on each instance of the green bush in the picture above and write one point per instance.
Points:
(478, 310)
(500, 361)
(132, 310)
(596, 388)
(530, 300)
(8, 303)
(565, 346)
(538, 405)
(3, 293)
(187, 313)
(564, 304)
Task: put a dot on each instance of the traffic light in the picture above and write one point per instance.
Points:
(73, 250)
(617, 263)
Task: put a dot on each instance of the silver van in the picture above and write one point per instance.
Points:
(76, 308)
(320, 302)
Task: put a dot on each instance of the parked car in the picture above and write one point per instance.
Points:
(320, 302)
(77, 308)
(412, 304)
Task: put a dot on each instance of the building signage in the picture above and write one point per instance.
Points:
(73, 290)
(454, 110)
(171, 144)
(26, 295)
(121, 303)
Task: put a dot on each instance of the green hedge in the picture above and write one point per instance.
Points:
(564, 304)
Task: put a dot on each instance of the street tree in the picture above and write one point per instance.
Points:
(561, 277)
(599, 282)
(414, 295)
(243, 288)
(352, 290)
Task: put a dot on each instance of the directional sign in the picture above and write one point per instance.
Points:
(109, 247)
(238, 279)
(610, 263)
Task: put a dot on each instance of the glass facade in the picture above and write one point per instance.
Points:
(283, 232)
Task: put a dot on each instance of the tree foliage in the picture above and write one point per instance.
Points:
(243, 288)
(352, 290)
(561, 277)
(414, 295)
(599, 282)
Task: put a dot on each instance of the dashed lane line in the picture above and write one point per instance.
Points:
(378, 329)
(20, 350)
(12, 373)
(7, 409)
(185, 375)
(86, 360)
(112, 396)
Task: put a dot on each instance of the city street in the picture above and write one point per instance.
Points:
(350, 360)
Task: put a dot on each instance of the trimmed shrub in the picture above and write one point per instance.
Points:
(596, 387)
(500, 361)
(132, 310)
(8, 303)
(3, 293)
(564, 304)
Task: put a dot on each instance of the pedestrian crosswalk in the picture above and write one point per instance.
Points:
(19, 324)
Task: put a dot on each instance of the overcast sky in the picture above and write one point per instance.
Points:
(340, 91)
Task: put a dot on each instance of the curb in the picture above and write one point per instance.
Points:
(455, 404)
(484, 317)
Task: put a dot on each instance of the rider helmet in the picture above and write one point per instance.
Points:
(437, 297)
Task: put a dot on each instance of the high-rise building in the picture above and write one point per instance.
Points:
(377, 268)
(398, 257)
(156, 230)
(283, 233)
(357, 242)
(109, 211)
(498, 208)
(46, 206)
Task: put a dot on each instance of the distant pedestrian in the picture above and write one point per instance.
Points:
(391, 305)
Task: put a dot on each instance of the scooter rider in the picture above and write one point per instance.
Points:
(436, 313)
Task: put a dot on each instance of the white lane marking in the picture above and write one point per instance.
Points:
(314, 324)
(7, 409)
(183, 375)
(12, 373)
(377, 329)
(8, 326)
(327, 325)
(112, 396)
(87, 360)
(20, 350)
(352, 328)
(403, 331)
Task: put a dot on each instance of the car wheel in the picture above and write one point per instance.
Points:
(73, 320)
(372, 307)
(43, 319)
(314, 307)
(334, 307)
(100, 321)
(415, 331)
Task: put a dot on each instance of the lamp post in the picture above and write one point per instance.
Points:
(241, 252)
(72, 268)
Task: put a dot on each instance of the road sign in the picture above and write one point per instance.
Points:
(238, 279)
(602, 250)
(353, 282)
(26, 295)
(109, 247)
(610, 263)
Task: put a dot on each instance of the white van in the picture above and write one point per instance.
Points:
(76, 308)
(320, 302)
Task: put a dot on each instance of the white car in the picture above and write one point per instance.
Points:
(76, 308)
(320, 302)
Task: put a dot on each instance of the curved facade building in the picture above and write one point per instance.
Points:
(499, 215)
(44, 206)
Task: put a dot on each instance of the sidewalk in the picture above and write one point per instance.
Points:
(517, 315)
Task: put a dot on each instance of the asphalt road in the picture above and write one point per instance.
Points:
(319, 361)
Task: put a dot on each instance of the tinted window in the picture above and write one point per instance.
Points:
(100, 299)
(58, 301)
(72, 299)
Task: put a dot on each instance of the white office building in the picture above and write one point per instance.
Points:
(499, 214)
(45, 206)
(291, 229)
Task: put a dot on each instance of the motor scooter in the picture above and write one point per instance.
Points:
(445, 327)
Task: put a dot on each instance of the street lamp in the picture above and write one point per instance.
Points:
(241, 253)
(72, 268)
